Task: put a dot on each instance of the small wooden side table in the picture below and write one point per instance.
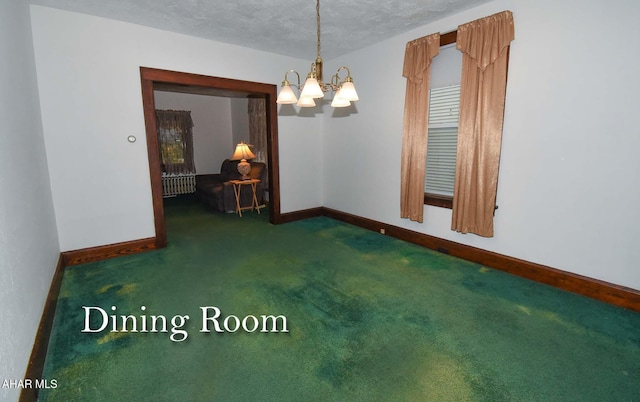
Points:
(237, 187)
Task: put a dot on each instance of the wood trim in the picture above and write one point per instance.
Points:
(273, 156)
(92, 254)
(596, 289)
(199, 80)
(448, 38)
(41, 343)
(354, 219)
(151, 76)
(434, 199)
(438, 200)
(155, 169)
(300, 215)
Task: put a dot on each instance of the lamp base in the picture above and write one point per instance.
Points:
(244, 168)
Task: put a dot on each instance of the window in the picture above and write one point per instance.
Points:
(175, 139)
(484, 44)
(444, 111)
(171, 146)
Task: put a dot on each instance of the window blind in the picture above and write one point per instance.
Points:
(444, 111)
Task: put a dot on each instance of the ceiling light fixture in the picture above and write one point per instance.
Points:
(314, 88)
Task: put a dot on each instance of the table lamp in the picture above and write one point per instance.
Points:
(242, 153)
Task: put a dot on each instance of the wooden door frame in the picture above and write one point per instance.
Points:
(151, 76)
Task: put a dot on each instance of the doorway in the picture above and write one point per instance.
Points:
(193, 83)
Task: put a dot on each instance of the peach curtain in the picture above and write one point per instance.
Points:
(485, 47)
(417, 66)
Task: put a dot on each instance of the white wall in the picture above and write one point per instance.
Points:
(28, 239)
(89, 81)
(212, 126)
(568, 191)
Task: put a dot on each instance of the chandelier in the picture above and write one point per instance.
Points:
(314, 88)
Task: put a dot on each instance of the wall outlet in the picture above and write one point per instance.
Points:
(381, 231)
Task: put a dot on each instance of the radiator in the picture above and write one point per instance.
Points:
(174, 184)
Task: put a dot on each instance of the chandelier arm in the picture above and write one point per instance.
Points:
(287, 80)
(335, 82)
(348, 77)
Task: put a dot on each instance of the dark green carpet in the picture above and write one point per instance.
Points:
(371, 318)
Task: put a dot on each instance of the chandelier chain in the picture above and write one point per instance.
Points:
(318, 24)
(314, 88)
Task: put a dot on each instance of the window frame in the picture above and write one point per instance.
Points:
(438, 200)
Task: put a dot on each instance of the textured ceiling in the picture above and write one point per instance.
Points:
(286, 27)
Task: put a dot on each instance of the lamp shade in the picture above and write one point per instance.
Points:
(286, 96)
(306, 101)
(242, 152)
(311, 89)
(339, 100)
(348, 91)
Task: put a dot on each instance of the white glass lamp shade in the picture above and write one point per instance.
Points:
(286, 96)
(339, 100)
(311, 89)
(306, 101)
(348, 91)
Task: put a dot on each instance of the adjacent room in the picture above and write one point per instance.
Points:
(381, 265)
(199, 130)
